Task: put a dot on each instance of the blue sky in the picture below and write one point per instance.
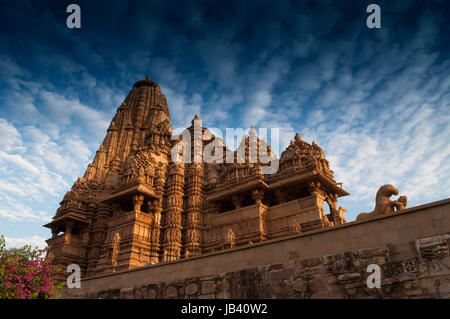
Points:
(376, 100)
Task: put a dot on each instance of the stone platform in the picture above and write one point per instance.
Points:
(411, 247)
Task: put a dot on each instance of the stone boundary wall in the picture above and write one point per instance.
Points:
(411, 247)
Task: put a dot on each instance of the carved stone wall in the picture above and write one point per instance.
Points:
(411, 247)
(411, 269)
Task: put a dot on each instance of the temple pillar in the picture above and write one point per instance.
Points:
(69, 227)
(160, 181)
(258, 196)
(172, 236)
(138, 201)
(319, 197)
(194, 210)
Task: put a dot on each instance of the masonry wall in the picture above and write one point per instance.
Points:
(411, 247)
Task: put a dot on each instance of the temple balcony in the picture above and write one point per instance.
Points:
(246, 223)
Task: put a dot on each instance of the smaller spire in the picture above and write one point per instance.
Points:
(147, 77)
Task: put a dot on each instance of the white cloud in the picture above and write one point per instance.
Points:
(18, 242)
(18, 161)
(10, 138)
(62, 110)
(16, 210)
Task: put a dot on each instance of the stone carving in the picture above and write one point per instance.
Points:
(383, 204)
(295, 225)
(115, 249)
(402, 202)
(230, 238)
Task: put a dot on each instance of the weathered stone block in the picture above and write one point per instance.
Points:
(127, 293)
(191, 289)
(290, 264)
(152, 294)
(320, 295)
(276, 267)
(319, 284)
(312, 262)
(348, 277)
(300, 285)
(140, 292)
(414, 292)
(223, 285)
(308, 273)
(372, 252)
(280, 274)
(171, 292)
(208, 287)
(92, 295)
(224, 295)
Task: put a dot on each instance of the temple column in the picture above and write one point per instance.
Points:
(138, 200)
(258, 196)
(99, 250)
(319, 197)
(160, 181)
(69, 227)
(194, 210)
(172, 236)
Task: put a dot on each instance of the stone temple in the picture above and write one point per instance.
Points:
(136, 206)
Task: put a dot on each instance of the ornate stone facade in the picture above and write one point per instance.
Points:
(136, 206)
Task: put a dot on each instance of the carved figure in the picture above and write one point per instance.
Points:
(115, 249)
(230, 237)
(383, 204)
(402, 200)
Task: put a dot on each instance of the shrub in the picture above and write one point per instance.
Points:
(26, 273)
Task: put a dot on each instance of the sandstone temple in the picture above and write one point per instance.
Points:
(136, 206)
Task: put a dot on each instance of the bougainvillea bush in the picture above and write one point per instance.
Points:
(25, 273)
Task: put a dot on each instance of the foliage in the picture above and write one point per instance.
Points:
(26, 273)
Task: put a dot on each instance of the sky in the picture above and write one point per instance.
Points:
(376, 100)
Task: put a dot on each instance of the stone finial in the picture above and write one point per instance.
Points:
(297, 138)
(196, 118)
(252, 131)
(147, 77)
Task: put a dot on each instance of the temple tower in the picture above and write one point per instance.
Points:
(144, 200)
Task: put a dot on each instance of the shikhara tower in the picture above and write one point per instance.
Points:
(135, 206)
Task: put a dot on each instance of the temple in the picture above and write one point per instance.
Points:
(137, 206)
